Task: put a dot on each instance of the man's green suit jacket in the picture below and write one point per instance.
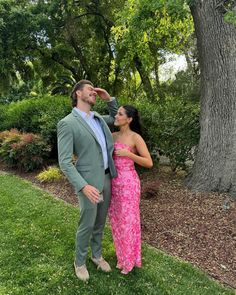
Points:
(75, 137)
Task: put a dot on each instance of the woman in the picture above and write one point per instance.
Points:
(124, 210)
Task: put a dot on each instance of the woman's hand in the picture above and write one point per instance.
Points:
(122, 152)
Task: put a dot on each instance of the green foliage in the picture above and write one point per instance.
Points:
(2, 116)
(24, 151)
(37, 115)
(48, 43)
(186, 86)
(57, 108)
(63, 85)
(16, 26)
(23, 115)
(230, 17)
(22, 90)
(175, 130)
(170, 126)
(56, 37)
(149, 30)
(16, 92)
(50, 174)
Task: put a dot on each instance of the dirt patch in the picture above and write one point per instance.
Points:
(199, 228)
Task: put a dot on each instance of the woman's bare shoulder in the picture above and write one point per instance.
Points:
(136, 136)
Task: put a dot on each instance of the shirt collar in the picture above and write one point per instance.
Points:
(83, 114)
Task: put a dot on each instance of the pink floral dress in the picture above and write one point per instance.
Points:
(124, 213)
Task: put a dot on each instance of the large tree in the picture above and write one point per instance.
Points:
(53, 38)
(119, 44)
(145, 31)
(215, 165)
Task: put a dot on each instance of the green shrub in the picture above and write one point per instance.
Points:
(170, 126)
(56, 110)
(22, 115)
(26, 115)
(24, 151)
(175, 130)
(50, 174)
(37, 115)
(3, 109)
(185, 85)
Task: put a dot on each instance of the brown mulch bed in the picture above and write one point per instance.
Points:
(199, 228)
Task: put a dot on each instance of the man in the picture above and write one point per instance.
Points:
(86, 135)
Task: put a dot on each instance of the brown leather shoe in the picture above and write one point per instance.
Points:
(101, 264)
(81, 272)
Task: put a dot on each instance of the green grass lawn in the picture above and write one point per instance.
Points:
(37, 234)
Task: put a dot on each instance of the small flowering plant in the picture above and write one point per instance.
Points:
(24, 151)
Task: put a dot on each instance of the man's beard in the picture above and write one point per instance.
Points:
(88, 101)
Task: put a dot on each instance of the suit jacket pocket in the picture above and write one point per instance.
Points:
(83, 168)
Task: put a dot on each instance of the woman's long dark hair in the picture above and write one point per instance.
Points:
(135, 124)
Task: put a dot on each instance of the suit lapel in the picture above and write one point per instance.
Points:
(105, 128)
(82, 122)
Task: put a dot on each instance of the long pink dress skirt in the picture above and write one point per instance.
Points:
(124, 213)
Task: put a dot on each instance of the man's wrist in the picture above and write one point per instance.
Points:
(111, 98)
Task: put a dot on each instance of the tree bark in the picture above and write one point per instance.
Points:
(215, 165)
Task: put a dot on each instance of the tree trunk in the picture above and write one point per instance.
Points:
(147, 86)
(215, 165)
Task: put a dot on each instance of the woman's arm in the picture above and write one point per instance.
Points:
(143, 157)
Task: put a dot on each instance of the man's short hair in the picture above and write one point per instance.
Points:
(78, 86)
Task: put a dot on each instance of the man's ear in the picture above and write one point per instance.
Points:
(78, 93)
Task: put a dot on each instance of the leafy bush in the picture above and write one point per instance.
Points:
(37, 115)
(56, 110)
(26, 115)
(2, 115)
(170, 126)
(22, 115)
(7, 138)
(186, 85)
(25, 151)
(174, 131)
(49, 175)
